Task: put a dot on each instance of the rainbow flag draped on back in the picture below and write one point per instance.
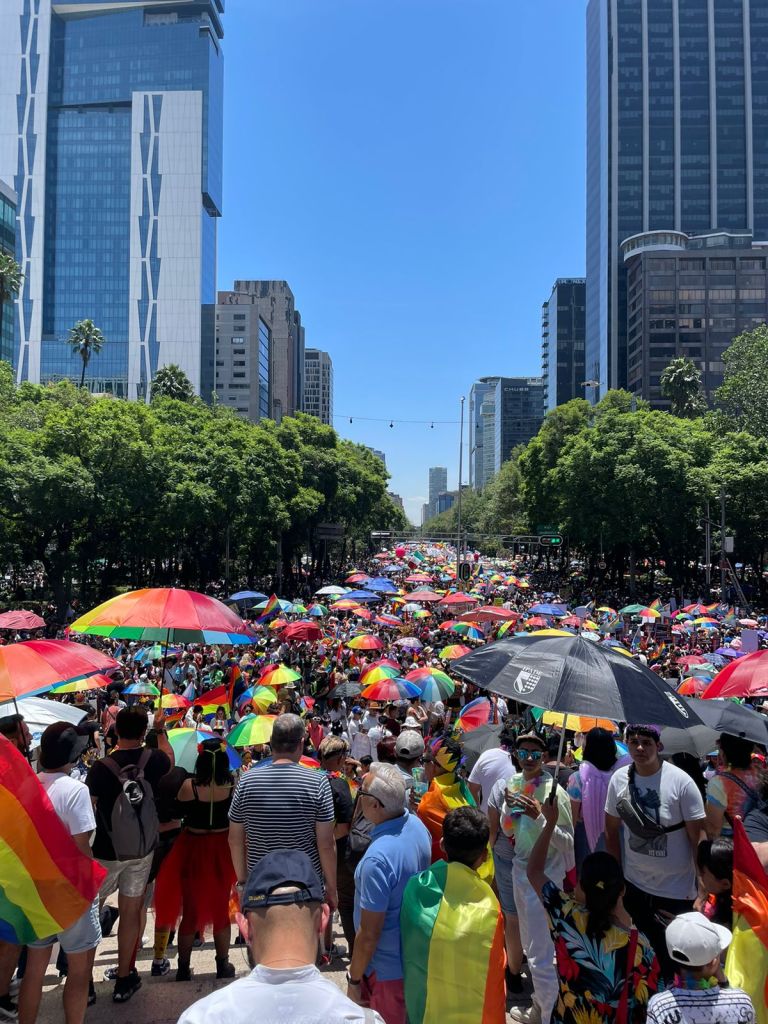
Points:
(453, 948)
(46, 883)
(746, 964)
(272, 608)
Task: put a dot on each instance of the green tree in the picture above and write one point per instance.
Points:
(171, 382)
(743, 395)
(681, 384)
(11, 279)
(86, 340)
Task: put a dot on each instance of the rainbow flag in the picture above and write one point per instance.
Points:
(46, 883)
(731, 618)
(453, 948)
(272, 608)
(746, 965)
(655, 605)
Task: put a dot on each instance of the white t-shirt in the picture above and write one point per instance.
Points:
(661, 865)
(71, 800)
(491, 766)
(362, 746)
(298, 995)
(696, 1006)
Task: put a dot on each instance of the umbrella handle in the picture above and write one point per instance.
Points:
(553, 791)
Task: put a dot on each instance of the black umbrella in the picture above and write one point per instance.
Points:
(569, 674)
(476, 742)
(718, 716)
(345, 690)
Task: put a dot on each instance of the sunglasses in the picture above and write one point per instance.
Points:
(530, 755)
(372, 796)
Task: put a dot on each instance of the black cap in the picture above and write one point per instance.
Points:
(62, 743)
(281, 869)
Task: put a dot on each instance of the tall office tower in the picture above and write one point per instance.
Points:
(488, 420)
(8, 246)
(277, 308)
(562, 342)
(677, 141)
(318, 384)
(518, 414)
(111, 136)
(477, 394)
(438, 481)
(243, 342)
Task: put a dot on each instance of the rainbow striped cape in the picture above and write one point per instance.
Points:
(46, 883)
(746, 964)
(453, 948)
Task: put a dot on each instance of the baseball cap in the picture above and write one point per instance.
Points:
(532, 737)
(357, 710)
(282, 869)
(409, 745)
(62, 743)
(694, 940)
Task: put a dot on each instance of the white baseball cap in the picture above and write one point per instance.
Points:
(694, 940)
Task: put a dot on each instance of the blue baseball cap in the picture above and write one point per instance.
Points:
(282, 869)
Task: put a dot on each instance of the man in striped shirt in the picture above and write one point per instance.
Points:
(284, 805)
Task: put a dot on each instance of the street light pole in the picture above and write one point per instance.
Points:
(707, 548)
(458, 502)
(722, 542)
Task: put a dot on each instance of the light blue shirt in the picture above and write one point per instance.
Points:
(400, 849)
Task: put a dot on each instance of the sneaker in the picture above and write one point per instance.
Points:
(125, 987)
(110, 974)
(13, 988)
(161, 967)
(9, 1012)
(526, 1014)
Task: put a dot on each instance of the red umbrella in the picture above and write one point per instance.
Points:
(21, 620)
(459, 598)
(691, 659)
(536, 621)
(490, 613)
(744, 677)
(302, 631)
(36, 665)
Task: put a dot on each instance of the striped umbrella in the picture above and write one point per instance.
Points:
(391, 689)
(259, 697)
(142, 688)
(278, 675)
(365, 642)
(454, 651)
(34, 666)
(253, 730)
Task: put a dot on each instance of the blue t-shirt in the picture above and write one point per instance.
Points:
(400, 849)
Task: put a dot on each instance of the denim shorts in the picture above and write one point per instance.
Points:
(503, 876)
(81, 936)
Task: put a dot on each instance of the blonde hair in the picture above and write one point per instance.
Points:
(332, 746)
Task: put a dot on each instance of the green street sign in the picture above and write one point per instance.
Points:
(546, 529)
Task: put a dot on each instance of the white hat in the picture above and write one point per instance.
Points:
(411, 723)
(694, 940)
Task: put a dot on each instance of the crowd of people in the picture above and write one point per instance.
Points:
(578, 879)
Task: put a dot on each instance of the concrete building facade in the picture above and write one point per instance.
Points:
(318, 385)
(243, 343)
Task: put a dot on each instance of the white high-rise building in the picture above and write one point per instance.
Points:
(318, 384)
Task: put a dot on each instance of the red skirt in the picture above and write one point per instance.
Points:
(195, 882)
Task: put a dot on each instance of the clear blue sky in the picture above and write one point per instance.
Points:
(415, 170)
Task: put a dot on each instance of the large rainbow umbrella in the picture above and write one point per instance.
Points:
(474, 714)
(377, 673)
(165, 614)
(253, 730)
(390, 689)
(175, 701)
(454, 651)
(185, 748)
(365, 642)
(278, 675)
(34, 666)
(82, 685)
(433, 684)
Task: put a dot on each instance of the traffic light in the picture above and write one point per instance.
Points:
(552, 541)
(465, 571)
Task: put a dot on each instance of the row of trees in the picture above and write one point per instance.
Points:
(628, 482)
(105, 493)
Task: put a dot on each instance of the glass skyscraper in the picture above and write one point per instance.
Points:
(7, 245)
(111, 134)
(562, 342)
(677, 140)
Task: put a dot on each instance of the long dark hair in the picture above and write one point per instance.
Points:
(602, 883)
(600, 749)
(212, 765)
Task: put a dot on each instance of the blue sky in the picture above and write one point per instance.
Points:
(415, 170)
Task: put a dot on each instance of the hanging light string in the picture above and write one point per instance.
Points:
(393, 423)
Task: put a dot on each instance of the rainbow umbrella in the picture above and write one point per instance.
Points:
(34, 666)
(82, 685)
(705, 620)
(573, 723)
(278, 623)
(252, 731)
(278, 675)
(390, 689)
(317, 611)
(474, 714)
(433, 684)
(454, 651)
(389, 620)
(298, 609)
(142, 689)
(465, 629)
(175, 700)
(365, 642)
(410, 643)
(422, 613)
(345, 605)
(166, 614)
(505, 627)
(185, 743)
(260, 697)
(377, 673)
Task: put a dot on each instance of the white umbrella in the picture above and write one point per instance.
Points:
(40, 713)
(330, 591)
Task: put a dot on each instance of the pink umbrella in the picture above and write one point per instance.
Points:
(21, 620)
(489, 614)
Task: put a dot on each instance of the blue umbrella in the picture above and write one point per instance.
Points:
(715, 660)
(382, 586)
(726, 652)
(547, 609)
(361, 595)
(247, 595)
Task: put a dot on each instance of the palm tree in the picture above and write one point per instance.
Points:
(681, 384)
(170, 381)
(11, 279)
(86, 340)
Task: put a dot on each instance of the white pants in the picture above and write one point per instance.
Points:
(537, 942)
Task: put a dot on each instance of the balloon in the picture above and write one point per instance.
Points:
(400, 552)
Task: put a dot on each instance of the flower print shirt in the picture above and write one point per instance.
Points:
(591, 971)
